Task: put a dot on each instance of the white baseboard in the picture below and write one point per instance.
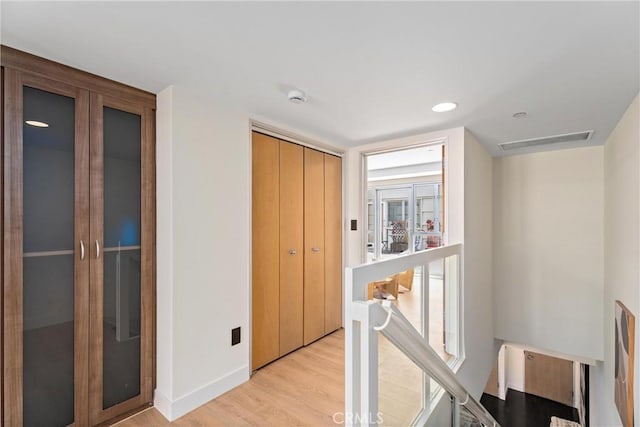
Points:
(190, 401)
(162, 404)
(516, 387)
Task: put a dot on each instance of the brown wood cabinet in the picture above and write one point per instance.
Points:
(297, 247)
(78, 226)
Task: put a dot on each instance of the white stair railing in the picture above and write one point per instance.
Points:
(365, 319)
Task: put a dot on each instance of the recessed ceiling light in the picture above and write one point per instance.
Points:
(37, 123)
(520, 115)
(444, 107)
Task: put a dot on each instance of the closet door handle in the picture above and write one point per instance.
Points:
(315, 249)
(81, 250)
(97, 249)
(292, 252)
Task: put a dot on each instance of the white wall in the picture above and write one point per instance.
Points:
(164, 251)
(204, 202)
(204, 248)
(621, 259)
(480, 347)
(468, 211)
(548, 251)
(514, 366)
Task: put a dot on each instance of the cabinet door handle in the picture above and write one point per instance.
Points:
(315, 249)
(292, 252)
(81, 250)
(97, 249)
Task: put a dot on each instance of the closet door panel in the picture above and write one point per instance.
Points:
(121, 276)
(291, 246)
(314, 247)
(333, 242)
(46, 224)
(265, 250)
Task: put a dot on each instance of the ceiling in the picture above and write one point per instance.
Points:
(372, 71)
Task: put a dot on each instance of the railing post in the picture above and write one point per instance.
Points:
(424, 309)
(351, 353)
(452, 291)
(368, 369)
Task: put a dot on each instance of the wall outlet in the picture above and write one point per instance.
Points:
(235, 336)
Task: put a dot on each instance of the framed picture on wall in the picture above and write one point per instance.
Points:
(624, 354)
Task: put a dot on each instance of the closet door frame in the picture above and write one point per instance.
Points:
(12, 293)
(99, 415)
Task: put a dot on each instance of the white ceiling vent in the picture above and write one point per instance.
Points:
(547, 140)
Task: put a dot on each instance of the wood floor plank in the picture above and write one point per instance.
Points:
(306, 387)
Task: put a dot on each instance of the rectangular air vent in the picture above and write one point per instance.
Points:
(547, 140)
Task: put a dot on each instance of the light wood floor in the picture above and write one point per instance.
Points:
(306, 387)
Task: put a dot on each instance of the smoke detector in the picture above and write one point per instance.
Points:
(297, 96)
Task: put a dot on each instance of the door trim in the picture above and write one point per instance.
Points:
(286, 136)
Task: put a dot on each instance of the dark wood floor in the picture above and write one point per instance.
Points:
(526, 410)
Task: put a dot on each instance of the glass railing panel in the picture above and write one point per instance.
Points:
(437, 309)
(400, 386)
(467, 419)
(405, 290)
(440, 412)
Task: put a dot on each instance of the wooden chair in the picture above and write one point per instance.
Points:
(386, 286)
(405, 279)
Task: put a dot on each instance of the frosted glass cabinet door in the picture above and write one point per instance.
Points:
(121, 259)
(48, 157)
(119, 332)
(46, 292)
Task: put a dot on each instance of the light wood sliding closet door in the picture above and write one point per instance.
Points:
(314, 246)
(291, 246)
(265, 249)
(332, 243)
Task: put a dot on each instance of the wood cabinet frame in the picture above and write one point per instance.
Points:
(90, 92)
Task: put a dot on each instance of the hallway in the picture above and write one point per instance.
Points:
(306, 387)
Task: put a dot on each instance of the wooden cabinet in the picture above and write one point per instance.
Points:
(297, 247)
(79, 240)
